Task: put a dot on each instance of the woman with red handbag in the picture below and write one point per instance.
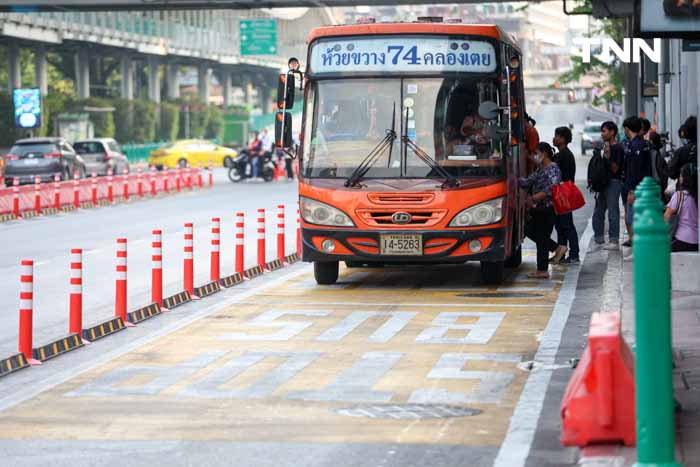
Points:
(541, 211)
(566, 230)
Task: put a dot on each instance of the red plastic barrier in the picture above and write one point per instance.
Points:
(120, 301)
(189, 258)
(280, 232)
(240, 235)
(60, 193)
(598, 406)
(157, 267)
(261, 238)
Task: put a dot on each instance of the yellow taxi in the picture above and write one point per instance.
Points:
(190, 152)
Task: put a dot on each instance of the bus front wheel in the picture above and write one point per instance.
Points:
(516, 257)
(492, 272)
(326, 272)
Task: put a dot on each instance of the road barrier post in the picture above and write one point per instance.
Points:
(178, 174)
(189, 258)
(166, 180)
(653, 375)
(75, 325)
(240, 236)
(110, 186)
(215, 267)
(298, 231)
(26, 299)
(157, 267)
(200, 179)
(93, 183)
(37, 195)
(261, 238)
(139, 182)
(211, 175)
(280, 232)
(125, 185)
(153, 180)
(76, 190)
(188, 181)
(120, 303)
(57, 191)
(15, 197)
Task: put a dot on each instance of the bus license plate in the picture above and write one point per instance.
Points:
(401, 245)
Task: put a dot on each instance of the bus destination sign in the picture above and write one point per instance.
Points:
(402, 55)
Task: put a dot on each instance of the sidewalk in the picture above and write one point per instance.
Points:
(685, 322)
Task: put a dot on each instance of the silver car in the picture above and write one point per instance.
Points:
(42, 157)
(101, 154)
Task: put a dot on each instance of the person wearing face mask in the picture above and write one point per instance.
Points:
(541, 210)
(566, 230)
(688, 153)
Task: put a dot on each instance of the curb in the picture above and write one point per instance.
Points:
(58, 347)
(230, 281)
(104, 329)
(11, 364)
(142, 314)
(207, 289)
(255, 271)
(274, 265)
(176, 300)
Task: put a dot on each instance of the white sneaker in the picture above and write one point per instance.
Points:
(612, 246)
(629, 257)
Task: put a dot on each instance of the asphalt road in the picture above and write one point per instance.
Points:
(48, 240)
(389, 367)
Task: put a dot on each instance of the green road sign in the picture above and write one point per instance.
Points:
(258, 36)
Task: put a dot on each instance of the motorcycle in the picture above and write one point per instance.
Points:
(241, 167)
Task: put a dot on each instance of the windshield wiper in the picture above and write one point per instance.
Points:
(450, 181)
(371, 158)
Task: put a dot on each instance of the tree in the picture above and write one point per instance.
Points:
(611, 75)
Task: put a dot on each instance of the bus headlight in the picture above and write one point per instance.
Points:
(488, 212)
(316, 212)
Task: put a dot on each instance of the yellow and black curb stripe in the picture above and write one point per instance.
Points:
(176, 300)
(56, 348)
(104, 329)
(274, 265)
(28, 214)
(68, 208)
(255, 271)
(207, 289)
(49, 211)
(7, 217)
(11, 364)
(230, 281)
(142, 314)
(87, 205)
(293, 258)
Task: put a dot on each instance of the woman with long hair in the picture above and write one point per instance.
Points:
(684, 203)
(541, 209)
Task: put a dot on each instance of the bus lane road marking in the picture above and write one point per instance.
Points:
(269, 369)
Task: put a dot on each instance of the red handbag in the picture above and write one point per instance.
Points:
(566, 197)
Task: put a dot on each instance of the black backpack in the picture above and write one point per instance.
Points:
(598, 173)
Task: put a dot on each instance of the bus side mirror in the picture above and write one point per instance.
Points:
(285, 91)
(283, 130)
(488, 110)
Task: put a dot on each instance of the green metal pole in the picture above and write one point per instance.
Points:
(653, 359)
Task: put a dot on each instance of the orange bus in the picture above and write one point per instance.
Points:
(411, 145)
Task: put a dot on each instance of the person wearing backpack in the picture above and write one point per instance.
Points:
(684, 205)
(605, 180)
(637, 166)
(688, 153)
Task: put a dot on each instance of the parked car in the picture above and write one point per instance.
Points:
(44, 157)
(590, 136)
(101, 154)
(189, 153)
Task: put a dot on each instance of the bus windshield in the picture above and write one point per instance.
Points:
(350, 117)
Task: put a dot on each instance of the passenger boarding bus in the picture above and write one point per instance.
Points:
(411, 145)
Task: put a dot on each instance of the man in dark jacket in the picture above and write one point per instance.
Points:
(637, 166)
(689, 151)
(566, 231)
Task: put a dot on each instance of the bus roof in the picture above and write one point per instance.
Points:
(367, 29)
